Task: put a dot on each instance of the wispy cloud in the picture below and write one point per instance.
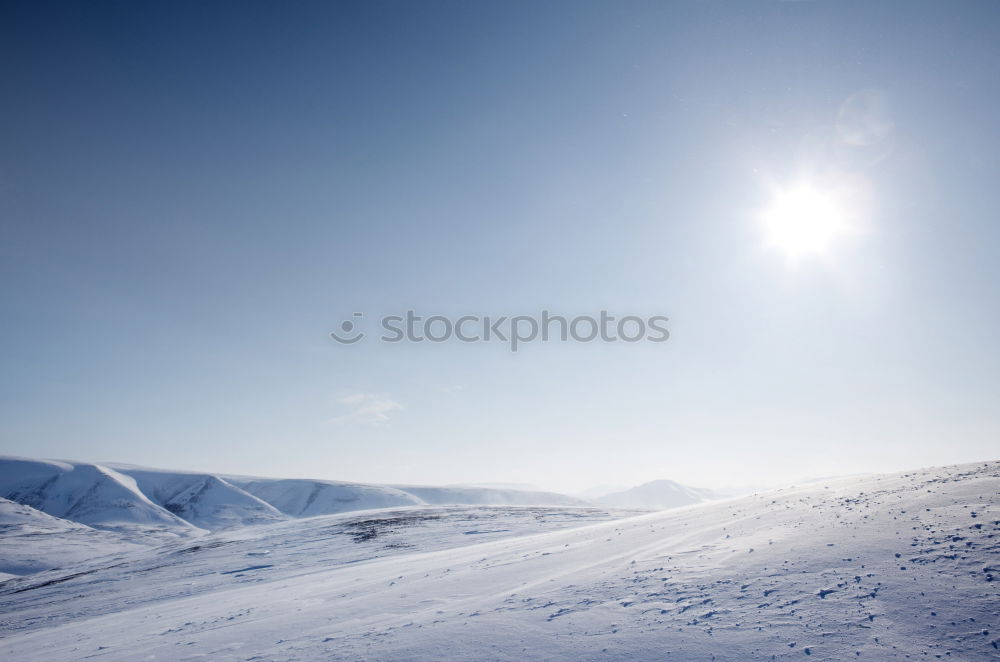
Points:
(366, 408)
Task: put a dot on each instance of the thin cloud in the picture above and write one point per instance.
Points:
(366, 409)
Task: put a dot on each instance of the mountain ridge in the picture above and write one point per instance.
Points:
(130, 499)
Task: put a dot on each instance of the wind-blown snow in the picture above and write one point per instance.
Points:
(869, 568)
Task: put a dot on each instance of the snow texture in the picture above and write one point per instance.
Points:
(886, 567)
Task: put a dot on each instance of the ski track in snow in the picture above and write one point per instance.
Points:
(888, 567)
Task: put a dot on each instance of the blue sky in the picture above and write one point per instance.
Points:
(193, 195)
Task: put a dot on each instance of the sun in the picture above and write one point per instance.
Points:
(805, 220)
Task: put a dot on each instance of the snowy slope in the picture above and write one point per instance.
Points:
(33, 541)
(276, 552)
(657, 495)
(871, 568)
(207, 501)
(87, 494)
(306, 498)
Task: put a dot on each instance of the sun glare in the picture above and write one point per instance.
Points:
(804, 221)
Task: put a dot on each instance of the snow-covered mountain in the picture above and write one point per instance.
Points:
(883, 567)
(128, 499)
(206, 501)
(657, 495)
(307, 498)
(90, 494)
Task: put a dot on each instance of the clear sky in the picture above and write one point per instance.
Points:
(194, 195)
